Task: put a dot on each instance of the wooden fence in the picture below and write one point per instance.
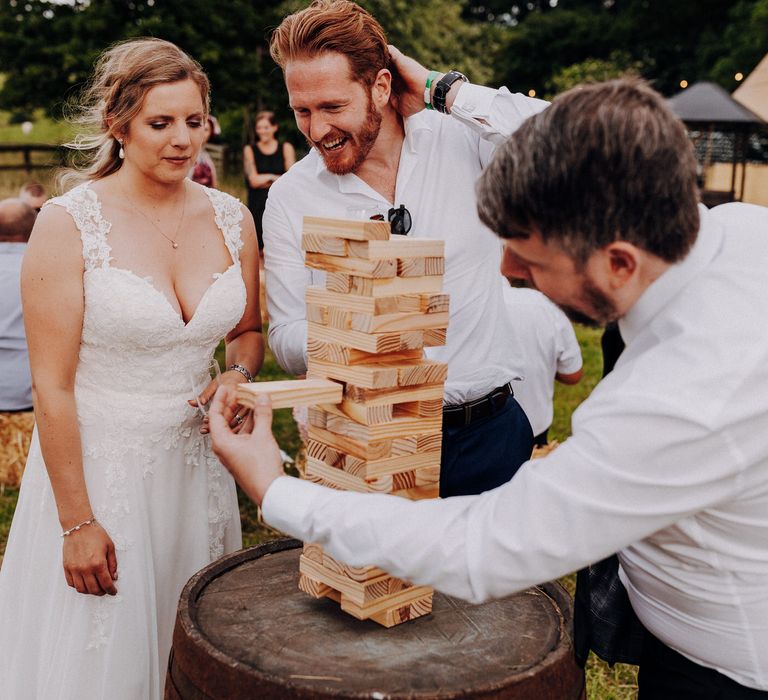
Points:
(57, 156)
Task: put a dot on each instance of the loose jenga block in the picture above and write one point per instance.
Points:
(367, 415)
(289, 393)
(398, 427)
(378, 449)
(368, 323)
(369, 376)
(339, 354)
(383, 397)
(356, 573)
(429, 302)
(344, 283)
(396, 616)
(359, 267)
(396, 341)
(327, 245)
(348, 229)
(396, 248)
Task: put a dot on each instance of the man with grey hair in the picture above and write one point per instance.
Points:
(596, 200)
(16, 221)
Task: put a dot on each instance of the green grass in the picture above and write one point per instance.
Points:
(44, 130)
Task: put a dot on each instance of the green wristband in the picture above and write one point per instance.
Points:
(427, 97)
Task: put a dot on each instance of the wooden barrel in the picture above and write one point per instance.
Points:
(244, 630)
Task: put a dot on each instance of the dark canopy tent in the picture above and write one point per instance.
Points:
(707, 108)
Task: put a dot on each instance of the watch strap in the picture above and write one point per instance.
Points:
(443, 87)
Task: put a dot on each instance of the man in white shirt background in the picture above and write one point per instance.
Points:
(667, 465)
(545, 341)
(373, 150)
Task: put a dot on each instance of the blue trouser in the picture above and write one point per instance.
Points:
(485, 454)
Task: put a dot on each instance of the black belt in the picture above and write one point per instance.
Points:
(459, 415)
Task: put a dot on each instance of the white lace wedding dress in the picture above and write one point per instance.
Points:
(154, 484)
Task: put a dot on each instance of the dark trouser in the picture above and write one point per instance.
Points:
(486, 453)
(667, 675)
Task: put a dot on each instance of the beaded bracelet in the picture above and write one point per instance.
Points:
(90, 521)
(243, 370)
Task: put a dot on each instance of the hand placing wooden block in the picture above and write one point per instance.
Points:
(291, 392)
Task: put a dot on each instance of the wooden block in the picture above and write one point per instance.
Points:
(411, 267)
(356, 573)
(396, 341)
(370, 269)
(317, 417)
(377, 397)
(367, 323)
(395, 616)
(368, 415)
(435, 337)
(316, 589)
(406, 463)
(434, 266)
(396, 247)
(377, 449)
(419, 493)
(427, 409)
(414, 372)
(425, 476)
(339, 282)
(292, 392)
(416, 444)
(313, 552)
(399, 427)
(401, 598)
(344, 481)
(387, 287)
(339, 354)
(327, 245)
(369, 376)
(349, 229)
(317, 314)
(433, 302)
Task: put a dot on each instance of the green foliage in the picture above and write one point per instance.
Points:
(618, 64)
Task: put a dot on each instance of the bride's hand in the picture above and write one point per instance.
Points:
(90, 564)
(241, 418)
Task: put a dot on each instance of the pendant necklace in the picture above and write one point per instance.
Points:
(172, 241)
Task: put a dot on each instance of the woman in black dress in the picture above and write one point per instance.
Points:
(263, 162)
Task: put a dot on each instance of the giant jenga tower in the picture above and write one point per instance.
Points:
(380, 307)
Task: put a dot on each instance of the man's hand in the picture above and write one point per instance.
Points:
(411, 78)
(252, 455)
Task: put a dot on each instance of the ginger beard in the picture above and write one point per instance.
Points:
(350, 153)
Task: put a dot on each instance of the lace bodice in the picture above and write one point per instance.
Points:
(136, 351)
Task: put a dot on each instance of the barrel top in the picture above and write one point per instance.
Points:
(248, 612)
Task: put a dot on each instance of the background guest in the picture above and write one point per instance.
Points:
(264, 162)
(204, 170)
(34, 194)
(545, 342)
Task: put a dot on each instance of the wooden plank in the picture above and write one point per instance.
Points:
(424, 476)
(434, 303)
(368, 415)
(405, 597)
(399, 427)
(367, 323)
(413, 372)
(419, 493)
(415, 444)
(313, 552)
(333, 352)
(396, 341)
(292, 392)
(405, 463)
(344, 481)
(376, 397)
(317, 417)
(434, 266)
(316, 589)
(411, 267)
(312, 243)
(396, 247)
(356, 573)
(349, 229)
(427, 409)
(435, 337)
(373, 269)
(376, 449)
(395, 616)
(373, 376)
(344, 283)
(318, 314)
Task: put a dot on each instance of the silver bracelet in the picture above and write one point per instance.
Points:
(90, 521)
(243, 370)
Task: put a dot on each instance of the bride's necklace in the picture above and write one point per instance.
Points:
(174, 243)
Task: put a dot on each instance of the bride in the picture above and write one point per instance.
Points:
(129, 283)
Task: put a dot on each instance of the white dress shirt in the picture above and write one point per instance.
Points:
(546, 345)
(15, 379)
(667, 464)
(441, 158)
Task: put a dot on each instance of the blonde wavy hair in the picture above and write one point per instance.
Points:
(122, 76)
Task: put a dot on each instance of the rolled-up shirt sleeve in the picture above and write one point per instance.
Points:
(286, 280)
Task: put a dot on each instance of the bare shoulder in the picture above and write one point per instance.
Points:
(247, 227)
(55, 239)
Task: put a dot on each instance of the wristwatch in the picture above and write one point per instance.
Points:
(443, 87)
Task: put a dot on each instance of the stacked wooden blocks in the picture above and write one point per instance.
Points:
(381, 306)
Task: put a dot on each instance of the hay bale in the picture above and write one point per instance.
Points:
(15, 436)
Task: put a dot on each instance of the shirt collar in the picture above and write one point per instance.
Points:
(707, 245)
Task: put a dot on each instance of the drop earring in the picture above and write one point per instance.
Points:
(121, 152)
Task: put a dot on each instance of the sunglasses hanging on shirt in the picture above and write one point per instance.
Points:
(399, 220)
